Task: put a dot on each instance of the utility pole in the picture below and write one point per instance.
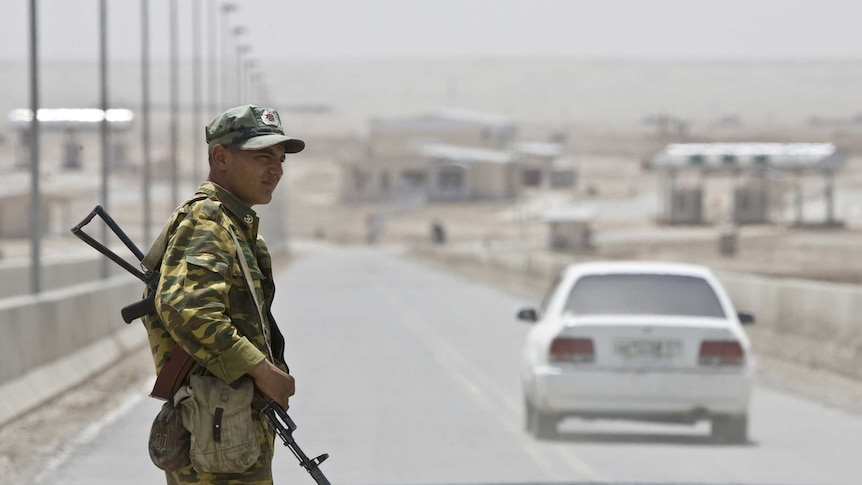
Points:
(197, 95)
(212, 66)
(174, 95)
(145, 116)
(35, 209)
(226, 9)
(103, 102)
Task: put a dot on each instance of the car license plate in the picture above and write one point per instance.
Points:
(647, 348)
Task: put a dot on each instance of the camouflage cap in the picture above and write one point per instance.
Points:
(250, 128)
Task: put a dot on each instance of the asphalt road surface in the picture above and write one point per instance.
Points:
(409, 375)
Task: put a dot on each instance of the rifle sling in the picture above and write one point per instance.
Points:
(175, 370)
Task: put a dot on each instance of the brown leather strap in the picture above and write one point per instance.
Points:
(173, 374)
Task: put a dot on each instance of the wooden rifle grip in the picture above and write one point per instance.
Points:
(173, 374)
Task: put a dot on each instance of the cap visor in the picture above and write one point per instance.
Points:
(291, 145)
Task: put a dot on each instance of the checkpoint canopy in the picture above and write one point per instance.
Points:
(72, 118)
(70, 121)
(823, 157)
(751, 202)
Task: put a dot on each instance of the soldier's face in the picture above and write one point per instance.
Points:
(253, 175)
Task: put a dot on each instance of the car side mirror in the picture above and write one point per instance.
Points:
(745, 318)
(528, 314)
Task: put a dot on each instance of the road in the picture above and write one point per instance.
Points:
(409, 375)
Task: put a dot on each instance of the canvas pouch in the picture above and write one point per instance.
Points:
(220, 419)
(169, 439)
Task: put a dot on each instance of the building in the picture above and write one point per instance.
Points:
(570, 228)
(458, 173)
(72, 122)
(449, 155)
(545, 164)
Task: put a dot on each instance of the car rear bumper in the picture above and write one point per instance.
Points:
(613, 393)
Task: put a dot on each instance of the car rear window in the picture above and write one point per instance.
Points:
(643, 294)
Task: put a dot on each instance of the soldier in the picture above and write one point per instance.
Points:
(203, 303)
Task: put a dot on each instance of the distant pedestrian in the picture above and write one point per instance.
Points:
(438, 233)
(373, 227)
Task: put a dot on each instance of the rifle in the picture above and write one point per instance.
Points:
(178, 360)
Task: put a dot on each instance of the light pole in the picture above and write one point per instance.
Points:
(237, 32)
(196, 87)
(212, 66)
(174, 95)
(35, 218)
(103, 101)
(145, 115)
(250, 71)
(254, 85)
(226, 9)
(241, 51)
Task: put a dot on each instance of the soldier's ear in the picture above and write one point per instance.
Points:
(218, 157)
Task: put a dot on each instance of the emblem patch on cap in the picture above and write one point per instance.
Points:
(269, 118)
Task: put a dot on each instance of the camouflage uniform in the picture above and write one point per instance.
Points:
(203, 303)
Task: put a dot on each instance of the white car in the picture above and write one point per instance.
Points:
(635, 340)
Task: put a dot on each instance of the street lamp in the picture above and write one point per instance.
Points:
(174, 102)
(212, 66)
(226, 9)
(241, 51)
(145, 115)
(35, 209)
(254, 82)
(250, 71)
(103, 101)
(196, 87)
(238, 31)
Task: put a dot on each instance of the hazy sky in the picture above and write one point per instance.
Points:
(339, 29)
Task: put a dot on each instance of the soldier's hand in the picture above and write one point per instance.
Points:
(273, 382)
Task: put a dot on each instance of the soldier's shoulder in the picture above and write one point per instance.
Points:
(206, 208)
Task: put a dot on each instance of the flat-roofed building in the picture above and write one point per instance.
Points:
(440, 155)
(449, 155)
(545, 164)
(71, 122)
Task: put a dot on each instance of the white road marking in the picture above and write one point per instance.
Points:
(468, 374)
(134, 396)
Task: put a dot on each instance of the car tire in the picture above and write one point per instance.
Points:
(730, 428)
(541, 425)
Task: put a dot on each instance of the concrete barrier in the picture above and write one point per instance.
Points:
(56, 273)
(813, 323)
(57, 339)
(807, 322)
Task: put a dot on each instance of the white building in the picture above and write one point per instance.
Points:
(449, 155)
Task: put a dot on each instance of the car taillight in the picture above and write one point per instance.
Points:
(569, 349)
(721, 352)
